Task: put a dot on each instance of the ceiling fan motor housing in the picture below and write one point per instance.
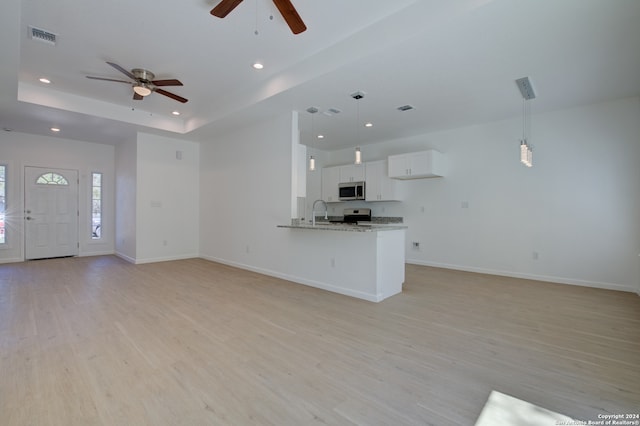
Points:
(143, 75)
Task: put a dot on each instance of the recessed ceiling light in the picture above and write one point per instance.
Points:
(320, 136)
(368, 124)
(45, 80)
(55, 129)
(258, 65)
(175, 112)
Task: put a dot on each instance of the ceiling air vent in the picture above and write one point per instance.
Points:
(331, 112)
(405, 107)
(42, 35)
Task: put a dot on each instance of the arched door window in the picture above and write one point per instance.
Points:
(51, 179)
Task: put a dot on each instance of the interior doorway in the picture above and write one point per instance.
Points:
(51, 212)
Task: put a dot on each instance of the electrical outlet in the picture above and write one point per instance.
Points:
(535, 255)
(415, 245)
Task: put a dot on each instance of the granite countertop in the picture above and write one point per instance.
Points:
(360, 227)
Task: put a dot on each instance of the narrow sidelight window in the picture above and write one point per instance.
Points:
(96, 206)
(3, 193)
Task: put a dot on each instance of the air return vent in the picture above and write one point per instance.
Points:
(405, 107)
(331, 112)
(42, 35)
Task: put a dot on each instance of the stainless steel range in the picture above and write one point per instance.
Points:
(354, 216)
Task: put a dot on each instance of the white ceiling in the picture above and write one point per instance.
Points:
(455, 61)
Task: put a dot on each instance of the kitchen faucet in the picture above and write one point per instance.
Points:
(313, 212)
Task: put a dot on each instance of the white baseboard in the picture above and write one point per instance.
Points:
(11, 260)
(125, 257)
(165, 259)
(96, 253)
(546, 278)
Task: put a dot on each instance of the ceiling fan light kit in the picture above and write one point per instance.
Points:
(142, 89)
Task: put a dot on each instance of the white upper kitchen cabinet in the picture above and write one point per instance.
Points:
(352, 173)
(330, 183)
(379, 187)
(416, 165)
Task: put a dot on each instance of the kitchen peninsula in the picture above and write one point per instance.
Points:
(366, 261)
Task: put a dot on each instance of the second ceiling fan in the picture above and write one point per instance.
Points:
(287, 10)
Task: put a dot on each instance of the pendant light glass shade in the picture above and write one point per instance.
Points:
(358, 157)
(312, 163)
(526, 153)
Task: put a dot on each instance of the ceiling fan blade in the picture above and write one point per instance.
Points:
(290, 15)
(108, 79)
(172, 82)
(137, 97)
(225, 7)
(122, 70)
(172, 95)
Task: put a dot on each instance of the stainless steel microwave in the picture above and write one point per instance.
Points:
(351, 191)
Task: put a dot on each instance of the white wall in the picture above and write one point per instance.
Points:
(18, 150)
(167, 199)
(126, 171)
(578, 208)
(245, 192)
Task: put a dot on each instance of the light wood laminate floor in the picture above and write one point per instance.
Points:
(98, 341)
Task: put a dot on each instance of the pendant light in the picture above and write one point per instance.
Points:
(526, 151)
(358, 154)
(312, 161)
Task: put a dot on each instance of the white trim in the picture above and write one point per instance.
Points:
(164, 259)
(11, 260)
(125, 257)
(546, 278)
(7, 198)
(96, 253)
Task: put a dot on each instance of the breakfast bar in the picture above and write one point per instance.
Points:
(366, 261)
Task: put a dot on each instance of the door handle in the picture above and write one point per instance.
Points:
(29, 218)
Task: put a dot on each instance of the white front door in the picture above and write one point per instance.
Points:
(51, 212)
